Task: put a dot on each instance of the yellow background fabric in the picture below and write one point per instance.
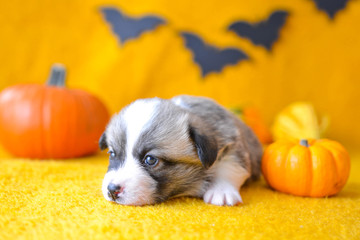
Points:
(63, 200)
(315, 58)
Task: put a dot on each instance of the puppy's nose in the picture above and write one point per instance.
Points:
(114, 190)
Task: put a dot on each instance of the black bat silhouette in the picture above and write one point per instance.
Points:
(263, 33)
(210, 58)
(128, 28)
(331, 7)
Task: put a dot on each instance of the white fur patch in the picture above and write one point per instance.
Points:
(178, 101)
(107, 179)
(222, 193)
(138, 186)
(136, 116)
(229, 177)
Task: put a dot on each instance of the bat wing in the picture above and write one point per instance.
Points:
(277, 20)
(210, 58)
(242, 28)
(331, 7)
(128, 28)
(263, 33)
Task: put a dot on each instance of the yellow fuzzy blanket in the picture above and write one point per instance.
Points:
(63, 200)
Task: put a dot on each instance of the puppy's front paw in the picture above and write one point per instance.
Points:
(222, 194)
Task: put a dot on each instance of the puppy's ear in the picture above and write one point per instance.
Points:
(206, 146)
(102, 142)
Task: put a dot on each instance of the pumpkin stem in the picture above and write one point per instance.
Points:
(236, 110)
(304, 142)
(57, 75)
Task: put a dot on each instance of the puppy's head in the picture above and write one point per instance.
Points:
(157, 150)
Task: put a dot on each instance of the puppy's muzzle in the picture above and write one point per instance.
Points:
(114, 191)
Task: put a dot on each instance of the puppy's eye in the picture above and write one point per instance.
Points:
(112, 154)
(150, 160)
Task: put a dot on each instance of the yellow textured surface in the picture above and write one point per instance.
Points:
(63, 200)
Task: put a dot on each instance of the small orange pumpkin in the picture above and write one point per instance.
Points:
(50, 121)
(313, 168)
(252, 117)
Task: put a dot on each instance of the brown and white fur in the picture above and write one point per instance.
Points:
(185, 146)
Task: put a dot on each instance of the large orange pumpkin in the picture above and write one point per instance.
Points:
(314, 168)
(50, 121)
